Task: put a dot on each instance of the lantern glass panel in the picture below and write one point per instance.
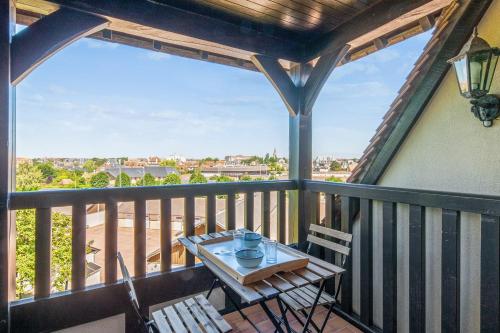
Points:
(462, 75)
(491, 70)
(479, 63)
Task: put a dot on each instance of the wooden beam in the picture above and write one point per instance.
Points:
(457, 33)
(320, 75)
(7, 181)
(209, 26)
(35, 44)
(280, 80)
(377, 21)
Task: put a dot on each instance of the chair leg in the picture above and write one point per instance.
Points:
(212, 287)
(327, 317)
(313, 308)
(283, 314)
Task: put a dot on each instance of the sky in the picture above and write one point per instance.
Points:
(101, 99)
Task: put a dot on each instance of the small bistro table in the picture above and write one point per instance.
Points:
(316, 271)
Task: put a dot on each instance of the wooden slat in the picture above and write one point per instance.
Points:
(216, 235)
(389, 266)
(325, 296)
(281, 216)
(348, 211)
(265, 289)
(323, 273)
(490, 273)
(205, 237)
(417, 268)
(308, 275)
(450, 277)
(266, 214)
(293, 279)
(230, 212)
(297, 298)
(111, 242)
(140, 238)
(213, 314)
(279, 283)
(166, 234)
(249, 211)
(331, 232)
(329, 210)
(174, 320)
(78, 246)
(305, 296)
(189, 228)
(196, 239)
(43, 235)
(211, 214)
(366, 270)
(291, 302)
(323, 264)
(328, 244)
(161, 322)
(200, 315)
(190, 322)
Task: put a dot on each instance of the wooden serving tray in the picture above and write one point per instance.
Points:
(220, 252)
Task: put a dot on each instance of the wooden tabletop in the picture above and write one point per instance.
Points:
(268, 288)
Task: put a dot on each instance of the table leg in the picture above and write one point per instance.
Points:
(271, 316)
(283, 315)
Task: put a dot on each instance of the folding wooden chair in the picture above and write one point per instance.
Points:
(194, 315)
(304, 300)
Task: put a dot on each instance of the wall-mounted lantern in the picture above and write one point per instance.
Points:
(475, 66)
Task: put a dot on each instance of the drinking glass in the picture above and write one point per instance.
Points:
(238, 236)
(271, 247)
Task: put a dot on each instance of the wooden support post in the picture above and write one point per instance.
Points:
(417, 268)
(349, 207)
(140, 211)
(490, 273)
(299, 90)
(78, 246)
(7, 224)
(389, 255)
(366, 258)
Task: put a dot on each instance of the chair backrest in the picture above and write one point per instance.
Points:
(339, 241)
(127, 281)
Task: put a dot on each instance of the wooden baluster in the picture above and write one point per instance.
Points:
(490, 273)
(140, 238)
(366, 258)
(111, 242)
(78, 246)
(230, 211)
(349, 207)
(329, 210)
(281, 223)
(166, 235)
(211, 214)
(43, 235)
(266, 214)
(189, 227)
(417, 268)
(249, 208)
(389, 254)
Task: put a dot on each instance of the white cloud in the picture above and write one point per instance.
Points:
(157, 56)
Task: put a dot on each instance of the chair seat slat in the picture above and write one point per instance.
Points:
(161, 322)
(217, 319)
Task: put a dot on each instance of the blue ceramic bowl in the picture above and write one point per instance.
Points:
(251, 240)
(249, 258)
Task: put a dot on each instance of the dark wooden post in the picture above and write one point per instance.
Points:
(299, 89)
(7, 25)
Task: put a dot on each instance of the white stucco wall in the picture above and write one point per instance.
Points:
(447, 150)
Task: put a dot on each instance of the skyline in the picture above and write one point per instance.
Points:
(97, 99)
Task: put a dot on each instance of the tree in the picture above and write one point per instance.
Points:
(223, 179)
(335, 166)
(122, 180)
(147, 180)
(197, 178)
(28, 177)
(47, 169)
(172, 179)
(334, 179)
(169, 163)
(90, 166)
(245, 178)
(99, 180)
(25, 251)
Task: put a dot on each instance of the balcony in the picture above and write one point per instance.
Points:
(422, 260)
(395, 231)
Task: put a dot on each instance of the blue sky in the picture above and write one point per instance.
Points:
(101, 99)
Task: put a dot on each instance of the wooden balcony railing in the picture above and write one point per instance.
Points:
(347, 205)
(384, 221)
(44, 201)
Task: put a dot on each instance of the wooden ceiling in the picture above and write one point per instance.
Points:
(231, 31)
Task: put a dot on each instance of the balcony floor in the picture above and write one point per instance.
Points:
(257, 315)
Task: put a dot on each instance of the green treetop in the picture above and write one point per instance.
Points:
(147, 180)
(335, 166)
(172, 179)
(197, 178)
(122, 180)
(99, 180)
(28, 177)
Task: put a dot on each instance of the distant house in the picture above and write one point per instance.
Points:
(236, 171)
(159, 172)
